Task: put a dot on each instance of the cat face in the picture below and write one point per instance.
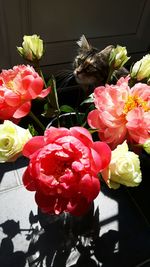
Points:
(90, 65)
(85, 68)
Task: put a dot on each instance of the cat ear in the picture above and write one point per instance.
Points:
(83, 43)
(106, 51)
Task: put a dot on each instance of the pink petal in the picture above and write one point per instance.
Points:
(36, 87)
(77, 166)
(93, 119)
(82, 134)
(12, 99)
(104, 152)
(113, 136)
(26, 81)
(45, 92)
(23, 110)
(33, 145)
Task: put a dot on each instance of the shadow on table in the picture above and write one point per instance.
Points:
(9, 258)
(67, 243)
(10, 166)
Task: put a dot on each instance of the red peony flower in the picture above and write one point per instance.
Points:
(63, 169)
(18, 86)
(121, 113)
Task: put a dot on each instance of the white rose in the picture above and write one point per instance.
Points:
(32, 47)
(141, 69)
(12, 140)
(118, 57)
(124, 168)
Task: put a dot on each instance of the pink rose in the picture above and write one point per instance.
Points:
(18, 86)
(63, 169)
(121, 113)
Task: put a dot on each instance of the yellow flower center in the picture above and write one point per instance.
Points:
(10, 85)
(134, 102)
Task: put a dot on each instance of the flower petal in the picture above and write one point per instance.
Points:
(12, 99)
(23, 110)
(82, 134)
(36, 87)
(52, 133)
(101, 153)
(28, 181)
(89, 187)
(44, 92)
(33, 145)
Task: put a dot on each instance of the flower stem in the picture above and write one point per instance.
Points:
(38, 69)
(56, 100)
(32, 115)
(109, 75)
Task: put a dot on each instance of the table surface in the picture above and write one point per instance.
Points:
(123, 239)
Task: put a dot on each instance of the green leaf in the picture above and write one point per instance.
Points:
(66, 108)
(93, 130)
(90, 99)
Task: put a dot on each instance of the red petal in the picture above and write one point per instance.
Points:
(89, 187)
(28, 181)
(78, 207)
(6, 113)
(82, 134)
(33, 145)
(53, 133)
(103, 152)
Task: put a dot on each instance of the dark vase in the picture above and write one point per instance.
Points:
(68, 229)
(67, 120)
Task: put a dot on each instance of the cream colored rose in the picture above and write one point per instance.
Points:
(32, 47)
(124, 168)
(12, 140)
(118, 57)
(141, 69)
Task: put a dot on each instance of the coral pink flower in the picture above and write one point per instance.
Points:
(121, 113)
(18, 86)
(63, 169)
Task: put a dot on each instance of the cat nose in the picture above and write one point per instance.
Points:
(76, 72)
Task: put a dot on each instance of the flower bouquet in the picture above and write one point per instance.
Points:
(67, 163)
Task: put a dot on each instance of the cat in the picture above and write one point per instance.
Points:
(91, 66)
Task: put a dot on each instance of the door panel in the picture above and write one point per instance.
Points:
(61, 23)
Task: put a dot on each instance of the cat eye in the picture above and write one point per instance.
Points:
(90, 68)
(80, 61)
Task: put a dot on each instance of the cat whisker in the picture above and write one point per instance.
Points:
(64, 73)
(64, 77)
(66, 80)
